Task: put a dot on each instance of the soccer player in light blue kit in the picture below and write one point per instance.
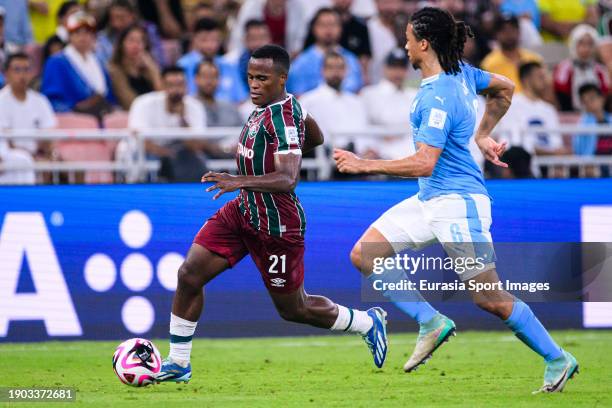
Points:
(452, 206)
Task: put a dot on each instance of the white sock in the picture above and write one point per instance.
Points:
(181, 333)
(352, 320)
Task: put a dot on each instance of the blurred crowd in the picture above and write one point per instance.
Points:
(153, 64)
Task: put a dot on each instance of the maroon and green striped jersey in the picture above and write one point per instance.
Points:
(274, 129)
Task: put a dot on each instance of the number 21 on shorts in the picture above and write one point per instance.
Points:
(275, 264)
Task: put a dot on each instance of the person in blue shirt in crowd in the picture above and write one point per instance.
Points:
(452, 206)
(594, 113)
(75, 79)
(520, 8)
(306, 70)
(206, 43)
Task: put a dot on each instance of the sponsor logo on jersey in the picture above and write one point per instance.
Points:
(278, 282)
(245, 152)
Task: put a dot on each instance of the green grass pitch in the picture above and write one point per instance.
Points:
(476, 369)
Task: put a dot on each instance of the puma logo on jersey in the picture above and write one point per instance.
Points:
(440, 99)
(245, 152)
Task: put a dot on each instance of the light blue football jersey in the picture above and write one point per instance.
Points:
(443, 115)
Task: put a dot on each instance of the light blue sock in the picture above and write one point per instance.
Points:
(419, 310)
(530, 331)
(408, 301)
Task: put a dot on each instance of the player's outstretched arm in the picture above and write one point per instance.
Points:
(314, 136)
(499, 97)
(420, 164)
(282, 180)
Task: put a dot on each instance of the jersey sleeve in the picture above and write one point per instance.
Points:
(287, 129)
(435, 112)
(482, 78)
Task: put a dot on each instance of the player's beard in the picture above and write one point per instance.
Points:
(335, 83)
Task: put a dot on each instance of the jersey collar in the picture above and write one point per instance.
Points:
(429, 80)
(263, 108)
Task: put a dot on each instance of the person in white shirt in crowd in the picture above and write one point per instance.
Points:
(285, 19)
(382, 28)
(167, 109)
(388, 104)
(336, 110)
(529, 109)
(22, 108)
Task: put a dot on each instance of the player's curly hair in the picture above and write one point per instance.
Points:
(446, 35)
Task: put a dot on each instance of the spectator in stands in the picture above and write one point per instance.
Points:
(383, 39)
(196, 11)
(206, 43)
(166, 14)
(508, 56)
(52, 47)
(24, 108)
(218, 113)
(355, 35)
(335, 109)
(64, 12)
(18, 30)
(75, 80)
(580, 69)
(120, 15)
(521, 9)
(388, 104)
(256, 34)
(171, 108)
(306, 73)
(132, 70)
(284, 18)
(519, 164)
(99, 8)
(531, 109)
(478, 15)
(528, 15)
(559, 17)
(594, 113)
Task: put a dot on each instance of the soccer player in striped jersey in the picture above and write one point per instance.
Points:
(266, 220)
(452, 206)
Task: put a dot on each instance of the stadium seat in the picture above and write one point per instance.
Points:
(116, 120)
(95, 150)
